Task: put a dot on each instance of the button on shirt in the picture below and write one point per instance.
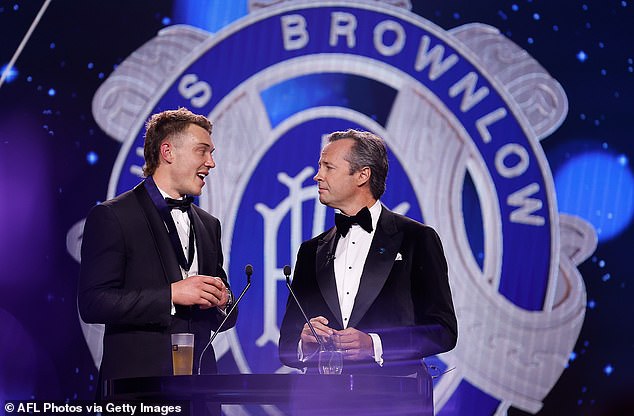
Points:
(350, 256)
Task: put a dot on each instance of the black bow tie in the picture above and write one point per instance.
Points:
(363, 218)
(182, 204)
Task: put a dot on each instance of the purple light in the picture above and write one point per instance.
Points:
(582, 56)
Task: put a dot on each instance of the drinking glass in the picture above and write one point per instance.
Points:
(330, 357)
(182, 353)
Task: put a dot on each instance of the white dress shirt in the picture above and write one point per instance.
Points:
(350, 256)
(182, 222)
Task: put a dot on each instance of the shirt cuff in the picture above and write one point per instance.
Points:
(378, 349)
(300, 352)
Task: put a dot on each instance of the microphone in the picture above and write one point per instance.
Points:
(248, 270)
(330, 257)
(287, 274)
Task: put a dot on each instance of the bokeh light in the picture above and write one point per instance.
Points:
(599, 187)
(12, 74)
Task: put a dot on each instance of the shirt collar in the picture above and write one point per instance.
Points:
(375, 211)
(165, 194)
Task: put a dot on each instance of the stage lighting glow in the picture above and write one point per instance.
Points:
(599, 187)
(11, 75)
(208, 15)
(92, 158)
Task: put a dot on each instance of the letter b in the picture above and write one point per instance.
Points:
(294, 32)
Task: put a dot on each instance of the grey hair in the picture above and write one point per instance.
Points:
(368, 150)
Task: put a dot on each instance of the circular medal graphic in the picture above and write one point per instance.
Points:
(462, 113)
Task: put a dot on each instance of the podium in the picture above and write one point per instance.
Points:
(301, 394)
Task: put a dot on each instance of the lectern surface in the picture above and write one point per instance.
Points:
(302, 394)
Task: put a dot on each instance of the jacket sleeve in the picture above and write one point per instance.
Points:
(213, 313)
(435, 327)
(104, 296)
(310, 296)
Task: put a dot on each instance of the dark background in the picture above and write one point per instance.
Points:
(55, 163)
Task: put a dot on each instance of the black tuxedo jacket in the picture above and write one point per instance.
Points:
(407, 302)
(127, 267)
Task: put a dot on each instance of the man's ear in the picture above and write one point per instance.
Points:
(363, 175)
(165, 150)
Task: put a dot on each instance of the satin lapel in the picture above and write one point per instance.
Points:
(385, 244)
(159, 233)
(202, 240)
(325, 272)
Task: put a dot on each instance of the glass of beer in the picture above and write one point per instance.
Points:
(182, 354)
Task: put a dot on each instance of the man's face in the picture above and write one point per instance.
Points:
(192, 158)
(337, 187)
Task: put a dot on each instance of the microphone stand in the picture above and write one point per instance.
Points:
(248, 270)
(287, 274)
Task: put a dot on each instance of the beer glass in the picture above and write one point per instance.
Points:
(182, 354)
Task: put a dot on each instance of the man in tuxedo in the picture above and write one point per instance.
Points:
(376, 283)
(151, 261)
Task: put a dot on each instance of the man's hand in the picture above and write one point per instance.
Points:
(309, 343)
(356, 345)
(204, 291)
